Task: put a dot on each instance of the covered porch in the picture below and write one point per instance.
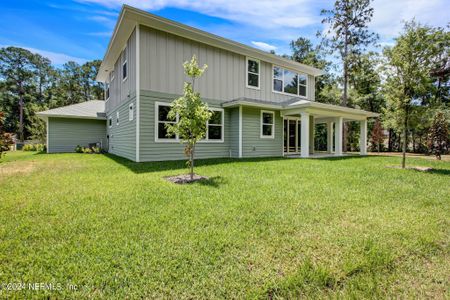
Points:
(300, 119)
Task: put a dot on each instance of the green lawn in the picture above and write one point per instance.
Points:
(261, 228)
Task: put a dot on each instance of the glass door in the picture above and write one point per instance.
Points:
(291, 135)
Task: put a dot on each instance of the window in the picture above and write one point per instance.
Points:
(289, 82)
(214, 131)
(124, 65)
(131, 112)
(110, 122)
(107, 91)
(253, 73)
(112, 76)
(117, 118)
(267, 124)
(161, 112)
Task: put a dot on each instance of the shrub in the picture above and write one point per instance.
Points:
(34, 147)
(78, 149)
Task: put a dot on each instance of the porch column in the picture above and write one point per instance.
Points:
(338, 136)
(304, 142)
(330, 137)
(363, 137)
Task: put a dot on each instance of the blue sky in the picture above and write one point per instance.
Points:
(79, 30)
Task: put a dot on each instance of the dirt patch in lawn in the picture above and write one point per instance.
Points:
(185, 178)
(8, 169)
(416, 168)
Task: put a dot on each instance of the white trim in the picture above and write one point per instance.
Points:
(240, 131)
(110, 122)
(206, 139)
(247, 72)
(282, 85)
(253, 104)
(131, 111)
(272, 136)
(138, 93)
(163, 140)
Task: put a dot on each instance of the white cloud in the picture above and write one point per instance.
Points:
(262, 13)
(55, 57)
(264, 46)
(389, 14)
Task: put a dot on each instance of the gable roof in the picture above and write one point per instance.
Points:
(129, 17)
(94, 109)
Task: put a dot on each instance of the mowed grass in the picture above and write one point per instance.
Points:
(99, 226)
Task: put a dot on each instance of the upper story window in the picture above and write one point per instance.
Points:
(106, 91)
(267, 124)
(124, 65)
(253, 73)
(112, 76)
(215, 126)
(117, 118)
(289, 82)
(110, 122)
(131, 112)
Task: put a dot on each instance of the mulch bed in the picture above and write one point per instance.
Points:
(185, 178)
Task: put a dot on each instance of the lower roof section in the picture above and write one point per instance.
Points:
(94, 109)
(295, 106)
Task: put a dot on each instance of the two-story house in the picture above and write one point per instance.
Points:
(262, 104)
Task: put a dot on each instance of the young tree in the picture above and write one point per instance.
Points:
(408, 75)
(192, 113)
(377, 135)
(438, 137)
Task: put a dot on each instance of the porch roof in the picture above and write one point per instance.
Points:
(93, 109)
(296, 106)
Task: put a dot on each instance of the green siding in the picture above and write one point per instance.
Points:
(157, 151)
(234, 132)
(252, 143)
(64, 134)
(122, 137)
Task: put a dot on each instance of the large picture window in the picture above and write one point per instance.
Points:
(253, 73)
(267, 124)
(289, 82)
(162, 111)
(215, 126)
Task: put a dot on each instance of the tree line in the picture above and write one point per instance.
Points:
(29, 83)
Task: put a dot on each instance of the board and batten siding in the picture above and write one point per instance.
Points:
(252, 143)
(161, 69)
(122, 137)
(150, 150)
(122, 90)
(65, 134)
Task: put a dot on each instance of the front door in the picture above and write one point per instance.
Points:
(291, 135)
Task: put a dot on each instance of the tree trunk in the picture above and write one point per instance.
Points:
(192, 162)
(21, 135)
(405, 139)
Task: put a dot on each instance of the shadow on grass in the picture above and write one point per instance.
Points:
(436, 171)
(214, 182)
(347, 157)
(158, 166)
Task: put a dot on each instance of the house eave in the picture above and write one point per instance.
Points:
(46, 116)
